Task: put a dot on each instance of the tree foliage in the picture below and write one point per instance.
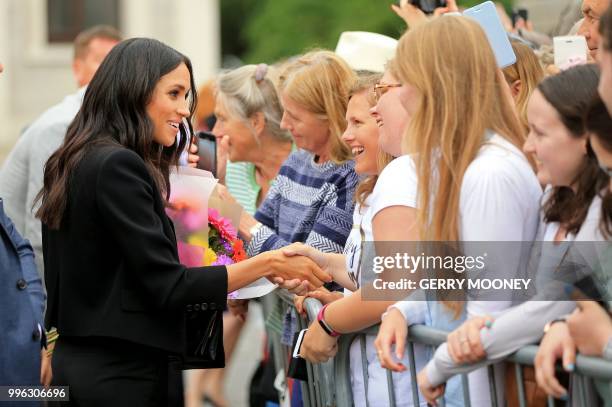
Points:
(269, 30)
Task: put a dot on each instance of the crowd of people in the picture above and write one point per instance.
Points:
(421, 139)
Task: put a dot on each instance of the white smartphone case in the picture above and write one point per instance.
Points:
(569, 47)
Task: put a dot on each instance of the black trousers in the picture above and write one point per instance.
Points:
(117, 373)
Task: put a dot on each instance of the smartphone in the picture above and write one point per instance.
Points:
(520, 13)
(428, 6)
(569, 47)
(486, 15)
(298, 343)
(207, 151)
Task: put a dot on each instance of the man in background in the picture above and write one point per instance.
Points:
(22, 302)
(21, 177)
(592, 10)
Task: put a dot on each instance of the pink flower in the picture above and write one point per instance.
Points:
(223, 225)
(190, 255)
(223, 260)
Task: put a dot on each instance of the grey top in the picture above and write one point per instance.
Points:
(523, 324)
(21, 176)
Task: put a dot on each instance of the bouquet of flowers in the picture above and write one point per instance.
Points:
(204, 236)
(211, 244)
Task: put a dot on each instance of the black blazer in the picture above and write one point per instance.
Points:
(112, 268)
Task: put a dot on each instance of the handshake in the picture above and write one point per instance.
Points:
(302, 268)
(298, 268)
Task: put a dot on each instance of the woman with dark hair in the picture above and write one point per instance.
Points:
(589, 328)
(116, 290)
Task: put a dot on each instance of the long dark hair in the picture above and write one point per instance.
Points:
(571, 93)
(599, 125)
(114, 112)
(605, 29)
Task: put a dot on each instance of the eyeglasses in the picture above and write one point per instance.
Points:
(382, 88)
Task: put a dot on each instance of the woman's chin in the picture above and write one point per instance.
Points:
(365, 167)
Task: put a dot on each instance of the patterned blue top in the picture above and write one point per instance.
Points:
(310, 203)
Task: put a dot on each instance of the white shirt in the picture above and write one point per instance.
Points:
(392, 189)
(499, 201)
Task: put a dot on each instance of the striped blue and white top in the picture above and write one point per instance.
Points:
(308, 202)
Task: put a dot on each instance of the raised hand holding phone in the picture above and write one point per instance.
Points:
(413, 15)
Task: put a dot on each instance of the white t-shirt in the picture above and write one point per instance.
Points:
(392, 189)
(499, 201)
(395, 187)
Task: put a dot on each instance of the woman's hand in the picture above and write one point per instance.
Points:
(285, 268)
(318, 346)
(238, 308)
(393, 330)
(590, 328)
(247, 221)
(464, 344)
(222, 156)
(192, 154)
(322, 294)
(557, 343)
(451, 7)
(46, 374)
(413, 16)
(431, 393)
(324, 260)
(224, 194)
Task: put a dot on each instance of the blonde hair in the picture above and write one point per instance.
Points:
(528, 70)
(320, 81)
(461, 96)
(248, 90)
(365, 83)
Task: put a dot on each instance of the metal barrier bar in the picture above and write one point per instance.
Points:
(329, 384)
(390, 388)
(413, 373)
(465, 389)
(344, 393)
(364, 366)
(492, 384)
(520, 385)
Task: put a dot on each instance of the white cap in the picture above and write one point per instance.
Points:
(365, 50)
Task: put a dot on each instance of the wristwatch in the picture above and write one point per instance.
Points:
(551, 323)
(328, 329)
(254, 229)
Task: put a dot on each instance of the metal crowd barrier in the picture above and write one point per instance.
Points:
(329, 384)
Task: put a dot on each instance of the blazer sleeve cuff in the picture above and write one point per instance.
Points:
(203, 288)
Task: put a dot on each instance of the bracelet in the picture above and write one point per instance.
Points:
(328, 329)
(551, 323)
(52, 337)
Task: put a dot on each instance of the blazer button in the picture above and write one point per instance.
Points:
(36, 335)
(21, 284)
(189, 308)
(196, 307)
(213, 306)
(204, 306)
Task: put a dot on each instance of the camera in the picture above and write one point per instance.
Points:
(428, 6)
